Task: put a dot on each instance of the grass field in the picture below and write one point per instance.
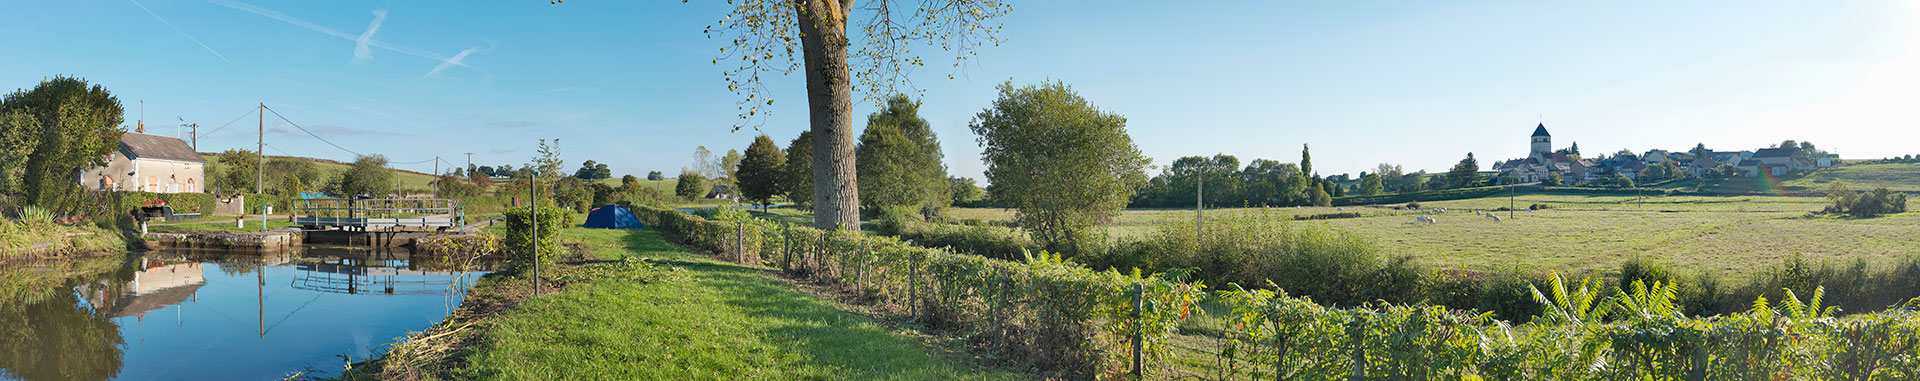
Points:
(1733, 235)
(1896, 177)
(722, 321)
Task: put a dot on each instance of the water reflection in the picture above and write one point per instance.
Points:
(208, 315)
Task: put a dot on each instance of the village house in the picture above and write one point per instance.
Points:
(149, 163)
(1541, 162)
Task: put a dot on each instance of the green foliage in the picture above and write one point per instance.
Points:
(1371, 185)
(238, 171)
(964, 190)
(1464, 174)
(898, 160)
(70, 126)
(1256, 248)
(1064, 165)
(19, 137)
(547, 164)
(799, 169)
(729, 166)
(590, 170)
(761, 172)
(1553, 180)
(690, 186)
(1660, 171)
(654, 176)
(520, 233)
(1320, 197)
(570, 193)
(367, 176)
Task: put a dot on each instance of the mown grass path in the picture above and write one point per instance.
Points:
(717, 321)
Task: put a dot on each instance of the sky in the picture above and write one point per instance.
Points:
(632, 83)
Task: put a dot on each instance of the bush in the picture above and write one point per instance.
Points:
(520, 238)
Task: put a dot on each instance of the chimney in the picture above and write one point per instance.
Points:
(140, 126)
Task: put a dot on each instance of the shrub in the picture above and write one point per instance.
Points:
(520, 226)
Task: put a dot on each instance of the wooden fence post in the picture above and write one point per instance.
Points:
(1358, 333)
(786, 248)
(1139, 328)
(740, 243)
(913, 287)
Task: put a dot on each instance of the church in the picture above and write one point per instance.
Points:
(1541, 161)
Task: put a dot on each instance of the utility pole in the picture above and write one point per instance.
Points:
(533, 206)
(260, 171)
(469, 164)
(1510, 194)
(436, 176)
(195, 135)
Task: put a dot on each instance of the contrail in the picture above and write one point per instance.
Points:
(456, 60)
(156, 16)
(336, 33)
(360, 51)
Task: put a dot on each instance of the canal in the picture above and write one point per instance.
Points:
(208, 315)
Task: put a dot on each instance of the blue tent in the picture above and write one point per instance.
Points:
(612, 217)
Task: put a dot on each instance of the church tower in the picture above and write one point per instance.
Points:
(1542, 144)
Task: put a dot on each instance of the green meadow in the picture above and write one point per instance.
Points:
(1729, 235)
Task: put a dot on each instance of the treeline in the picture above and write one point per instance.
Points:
(1221, 182)
(898, 160)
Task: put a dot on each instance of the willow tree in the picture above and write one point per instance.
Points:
(784, 36)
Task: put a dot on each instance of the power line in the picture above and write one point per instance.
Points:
(250, 111)
(283, 118)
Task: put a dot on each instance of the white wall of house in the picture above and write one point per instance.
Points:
(146, 175)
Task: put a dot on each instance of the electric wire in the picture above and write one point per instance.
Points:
(283, 118)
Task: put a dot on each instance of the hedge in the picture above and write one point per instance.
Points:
(121, 203)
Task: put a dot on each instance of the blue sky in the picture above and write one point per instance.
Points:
(631, 83)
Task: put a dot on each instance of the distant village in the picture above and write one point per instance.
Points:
(1544, 164)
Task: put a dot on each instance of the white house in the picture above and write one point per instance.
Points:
(149, 163)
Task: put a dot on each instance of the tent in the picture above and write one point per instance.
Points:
(612, 217)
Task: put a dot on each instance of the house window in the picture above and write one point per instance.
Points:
(190, 186)
(153, 184)
(173, 184)
(106, 182)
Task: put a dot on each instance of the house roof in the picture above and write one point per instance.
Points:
(1777, 152)
(143, 146)
(1540, 130)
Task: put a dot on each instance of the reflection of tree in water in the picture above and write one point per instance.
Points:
(48, 332)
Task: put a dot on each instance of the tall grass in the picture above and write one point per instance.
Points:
(1252, 249)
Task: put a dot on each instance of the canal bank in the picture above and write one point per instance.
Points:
(626, 304)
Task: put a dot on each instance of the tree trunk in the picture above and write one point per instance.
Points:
(823, 38)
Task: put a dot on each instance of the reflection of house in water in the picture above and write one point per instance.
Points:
(356, 276)
(156, 285)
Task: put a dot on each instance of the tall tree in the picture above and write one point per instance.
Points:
(237, 170)
(1700, 150)
(800, 169)
(18, 140)
(591, 170)
(548, 165)
(1371, 184)
(368, 175)
(705, 163)
(767, 36)
(656, 176)
(1061, 163)
(1464, 174)
(762, 171)
(72, 125)
(899, 160)
(728, 165)
(964, 190)
(690, 185)
(1306, 162)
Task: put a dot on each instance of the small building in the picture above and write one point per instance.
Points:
(149, 163)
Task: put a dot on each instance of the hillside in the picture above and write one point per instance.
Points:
(1897, 177)
(408, 179)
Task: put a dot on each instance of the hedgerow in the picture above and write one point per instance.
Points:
(1049, 314)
